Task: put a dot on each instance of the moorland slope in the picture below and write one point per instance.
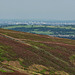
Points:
(32, 54)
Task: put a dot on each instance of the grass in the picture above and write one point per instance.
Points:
(42, 32)
(3, 71)
(6, 52)
(21, 35)
(72, 57)
(42, 49)
(59, 31)
(51, 72)
(28, 26)
(43, 71)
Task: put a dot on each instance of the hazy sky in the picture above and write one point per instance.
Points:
(37, 9)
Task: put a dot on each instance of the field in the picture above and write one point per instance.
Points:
(65, 31)
(34, 54)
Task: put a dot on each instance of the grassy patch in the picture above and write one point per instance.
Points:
(3, 71)
(72, 57)
(6, 70)
(6, 53)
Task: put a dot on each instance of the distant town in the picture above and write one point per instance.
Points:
(36, 22)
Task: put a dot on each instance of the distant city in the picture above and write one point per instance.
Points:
(36, 22)
(62, 29)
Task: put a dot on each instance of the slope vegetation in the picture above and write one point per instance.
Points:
(32, 54)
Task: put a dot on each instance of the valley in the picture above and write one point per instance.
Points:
(62, 31)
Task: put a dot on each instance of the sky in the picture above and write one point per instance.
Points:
(37, 9)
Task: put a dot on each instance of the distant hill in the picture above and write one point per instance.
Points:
(24, 53)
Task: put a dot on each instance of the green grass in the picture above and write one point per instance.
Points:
(3, 71)
(6, 52)
(36, 29)
(72, 57)
(43, 71)
(42, 32)
(51, 72)
(29, 26)
(6, 70)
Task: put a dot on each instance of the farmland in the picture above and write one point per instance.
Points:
(64, 31)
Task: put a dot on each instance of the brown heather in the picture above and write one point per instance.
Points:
(32, 54)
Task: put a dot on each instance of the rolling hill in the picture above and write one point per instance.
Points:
(24, 53)
(62, 31)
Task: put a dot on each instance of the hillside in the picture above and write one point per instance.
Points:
(33, 54)
(62, 31)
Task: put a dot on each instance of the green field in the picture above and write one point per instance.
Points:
(67, 30)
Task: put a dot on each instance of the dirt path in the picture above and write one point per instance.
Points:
(22, 41)
(59, 44)
(15, 39)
